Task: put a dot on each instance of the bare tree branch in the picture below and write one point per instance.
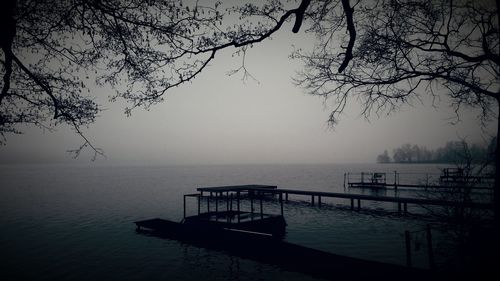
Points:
(349, 15)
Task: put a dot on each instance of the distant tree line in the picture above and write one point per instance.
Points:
(451, 152)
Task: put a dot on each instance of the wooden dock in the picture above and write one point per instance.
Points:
(249, 234)
(230, 193)
(448, 179)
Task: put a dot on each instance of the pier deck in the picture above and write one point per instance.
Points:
(316, 197)
(448, 179)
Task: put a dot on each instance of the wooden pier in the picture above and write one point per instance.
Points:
(230, 194)
(448, 179)
(256, 235)
(258, 192)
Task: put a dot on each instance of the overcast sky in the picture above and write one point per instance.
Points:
(221, 120)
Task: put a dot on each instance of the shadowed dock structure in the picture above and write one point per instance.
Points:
(450, 178)
(259, 236)
(230, 193)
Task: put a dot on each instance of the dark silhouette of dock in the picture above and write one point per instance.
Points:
(230, 193)
(259, 236)
(450, 178)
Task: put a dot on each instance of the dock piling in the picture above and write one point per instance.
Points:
(208, 204)
(281, 203)
(408, 248)
(395, 180)
(238, 205)
(216, 204)
(184, 205)
(199, 205)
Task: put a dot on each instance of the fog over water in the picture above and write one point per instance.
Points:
(220, 119)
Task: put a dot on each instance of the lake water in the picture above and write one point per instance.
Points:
(74, 222)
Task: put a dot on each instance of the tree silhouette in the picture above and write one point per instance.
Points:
(385, 53)
(400, 51)
(52, 48)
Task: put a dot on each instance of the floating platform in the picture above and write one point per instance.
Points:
(224, 220)
(214, 223)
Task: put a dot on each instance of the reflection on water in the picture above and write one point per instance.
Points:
(75, 222)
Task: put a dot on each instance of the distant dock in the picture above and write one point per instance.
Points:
(450, 178)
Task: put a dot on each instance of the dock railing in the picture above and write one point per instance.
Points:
(317, 196)
(446, 179)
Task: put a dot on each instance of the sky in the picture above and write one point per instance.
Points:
(220, 119)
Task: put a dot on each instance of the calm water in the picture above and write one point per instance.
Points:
(76, 222)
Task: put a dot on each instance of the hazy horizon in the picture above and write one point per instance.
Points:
(220, 119)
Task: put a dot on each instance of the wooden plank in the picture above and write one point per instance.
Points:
(236, 187)
(421, 201)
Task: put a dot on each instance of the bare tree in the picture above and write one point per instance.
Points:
(385, 53)
(51, 50)
(398, 51)
(467, 228)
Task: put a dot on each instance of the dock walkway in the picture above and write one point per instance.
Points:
(230, 192)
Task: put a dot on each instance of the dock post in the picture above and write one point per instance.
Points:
(319, 201)
(261, 209)
(408, 248)
(312, 200)
(359, 204)
(216, 204)
(227, 207)
(208, 204)
(184, 206)
(199, 204)
(352, 204)
(230, 215)
(286, 197)
(344, 181)
(395, 180)
(281, 203)
(430, 252)
(399, 208)
(238, 205)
